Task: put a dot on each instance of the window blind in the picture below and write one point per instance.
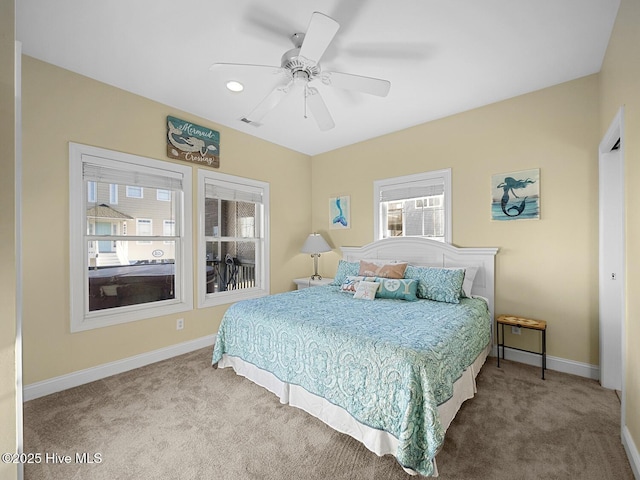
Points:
(102, 174)
(421, 189)
(241, 193)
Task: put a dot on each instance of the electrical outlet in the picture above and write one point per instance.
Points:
(180, 324)
(515, 330)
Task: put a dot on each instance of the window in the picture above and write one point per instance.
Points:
(168, 229)
(233, 253)
(135, 191)
(144, 228)
(117, 278)
(163, 195)
(113, 194)
(91, 191)
(414, 205)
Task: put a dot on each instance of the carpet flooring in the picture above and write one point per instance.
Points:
(181, 419)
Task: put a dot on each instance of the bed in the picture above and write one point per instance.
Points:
(390, 364)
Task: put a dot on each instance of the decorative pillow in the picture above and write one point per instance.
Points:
(401, 289)
(350, 284)
(344, 269)
(467, 283)
(366, 290)
(371, 268)
(439, 284)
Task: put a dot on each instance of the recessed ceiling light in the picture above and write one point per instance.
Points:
(235, 86)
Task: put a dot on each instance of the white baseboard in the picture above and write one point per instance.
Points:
(632, 451)
(70, 380)
(553, 363)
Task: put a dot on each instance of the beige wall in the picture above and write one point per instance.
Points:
(546, 268)
(61, 107)
(8, 401)
(620, 82)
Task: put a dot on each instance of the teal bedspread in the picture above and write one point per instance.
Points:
(389, 363)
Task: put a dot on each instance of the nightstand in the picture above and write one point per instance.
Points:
(513, 321)
(306, 282)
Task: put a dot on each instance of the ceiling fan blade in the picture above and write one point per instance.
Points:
(270, 102)
(319, 34)
(269, 24)
(319, 109)
(245, 69)
(373, 86)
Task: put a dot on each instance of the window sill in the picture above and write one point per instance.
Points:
(224, 298)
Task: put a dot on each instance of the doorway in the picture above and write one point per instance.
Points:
(104, 228)
(612, 255)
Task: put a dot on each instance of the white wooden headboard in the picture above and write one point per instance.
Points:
(430, 253)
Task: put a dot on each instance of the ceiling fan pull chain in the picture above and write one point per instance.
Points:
(306, 94)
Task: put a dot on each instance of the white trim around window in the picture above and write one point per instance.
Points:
(163, 195)
(230, 187)
(134, 191)
(113, 193)
(144, 228)
(92, 191)
(408, 187)
(104, 165)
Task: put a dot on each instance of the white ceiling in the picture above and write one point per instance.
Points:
(442, 57)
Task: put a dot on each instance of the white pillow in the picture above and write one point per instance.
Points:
(366, 290)
(467, 284)
(469, 275)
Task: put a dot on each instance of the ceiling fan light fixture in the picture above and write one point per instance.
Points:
(235, 86)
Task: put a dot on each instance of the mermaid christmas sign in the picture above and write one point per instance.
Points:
(516, 195)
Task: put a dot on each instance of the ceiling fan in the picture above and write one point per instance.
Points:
(300, 67)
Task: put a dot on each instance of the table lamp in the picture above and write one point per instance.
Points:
(315, 245)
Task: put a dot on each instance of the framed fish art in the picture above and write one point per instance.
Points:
(516, 195)
(339, 212)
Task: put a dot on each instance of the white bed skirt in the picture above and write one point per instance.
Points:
(378, 441)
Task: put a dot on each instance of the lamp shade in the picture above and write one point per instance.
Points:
(315, 244)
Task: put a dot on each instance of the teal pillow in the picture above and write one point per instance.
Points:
(401, 289)
(439, 284)
(345, 269)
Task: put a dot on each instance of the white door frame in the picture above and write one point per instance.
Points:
(19, 267)
(612, 260)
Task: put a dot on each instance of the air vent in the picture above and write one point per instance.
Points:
(246, 120)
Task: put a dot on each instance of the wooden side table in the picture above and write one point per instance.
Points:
(514, 321)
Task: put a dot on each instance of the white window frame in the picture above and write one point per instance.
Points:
(413, 181)
(113, 193)
(129, 191)
(144, 221)
(168, 229)
(262, 248)
(161, 196)
(81, 318)
(92, 192)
